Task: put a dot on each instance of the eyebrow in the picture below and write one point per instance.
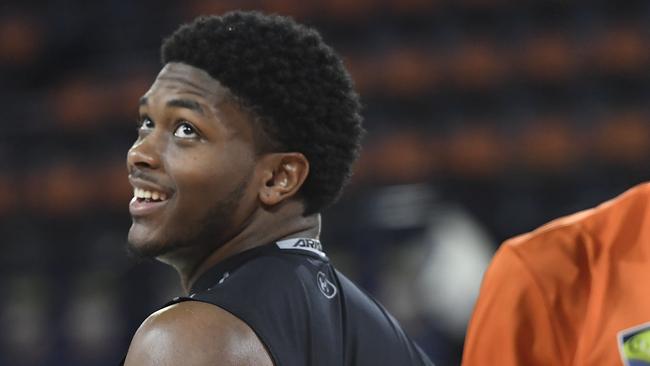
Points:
(179, 103)
(186, 103)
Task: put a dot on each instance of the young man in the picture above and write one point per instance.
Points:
(247, 133)
(572, 292)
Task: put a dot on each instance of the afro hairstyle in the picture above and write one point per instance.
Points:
(294, 85)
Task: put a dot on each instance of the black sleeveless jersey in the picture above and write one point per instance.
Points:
(303, 310)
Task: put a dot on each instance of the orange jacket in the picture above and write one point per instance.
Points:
(570, 292)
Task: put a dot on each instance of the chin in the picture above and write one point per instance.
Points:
(144, 245)
(147, 244)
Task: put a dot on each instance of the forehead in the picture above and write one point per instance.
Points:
(186, 79)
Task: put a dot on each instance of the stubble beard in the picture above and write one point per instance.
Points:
(213, 227)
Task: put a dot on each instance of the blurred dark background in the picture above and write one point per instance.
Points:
(486, 118)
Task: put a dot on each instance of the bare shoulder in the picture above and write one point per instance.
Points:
(195, 333)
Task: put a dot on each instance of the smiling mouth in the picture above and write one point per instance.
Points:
(146, 202)
(143, 195)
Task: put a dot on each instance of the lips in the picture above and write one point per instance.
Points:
(148, 198)
(139, 207)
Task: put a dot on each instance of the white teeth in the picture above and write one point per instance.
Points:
(154, 195)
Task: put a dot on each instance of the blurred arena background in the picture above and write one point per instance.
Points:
(486, 118)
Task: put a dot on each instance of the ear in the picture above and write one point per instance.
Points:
(282, 176)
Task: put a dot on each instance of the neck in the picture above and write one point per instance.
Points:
(263, 227)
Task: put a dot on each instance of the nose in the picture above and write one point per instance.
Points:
(143, 154)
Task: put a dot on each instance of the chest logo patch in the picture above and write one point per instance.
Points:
(634, 345)
(326, 286)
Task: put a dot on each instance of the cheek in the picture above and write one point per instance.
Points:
(206, 176)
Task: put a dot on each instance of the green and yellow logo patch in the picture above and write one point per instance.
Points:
(634, 345)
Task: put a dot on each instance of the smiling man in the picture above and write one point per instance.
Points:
(248, 132)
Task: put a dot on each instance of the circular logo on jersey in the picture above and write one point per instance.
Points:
(326, 286)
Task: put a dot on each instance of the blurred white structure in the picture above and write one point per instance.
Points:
(435, 274)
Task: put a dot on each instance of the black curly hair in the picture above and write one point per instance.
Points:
(290, 80)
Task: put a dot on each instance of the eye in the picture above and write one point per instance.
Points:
(185, 131)
(145, 123)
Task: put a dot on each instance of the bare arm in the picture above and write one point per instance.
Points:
(195, 334)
